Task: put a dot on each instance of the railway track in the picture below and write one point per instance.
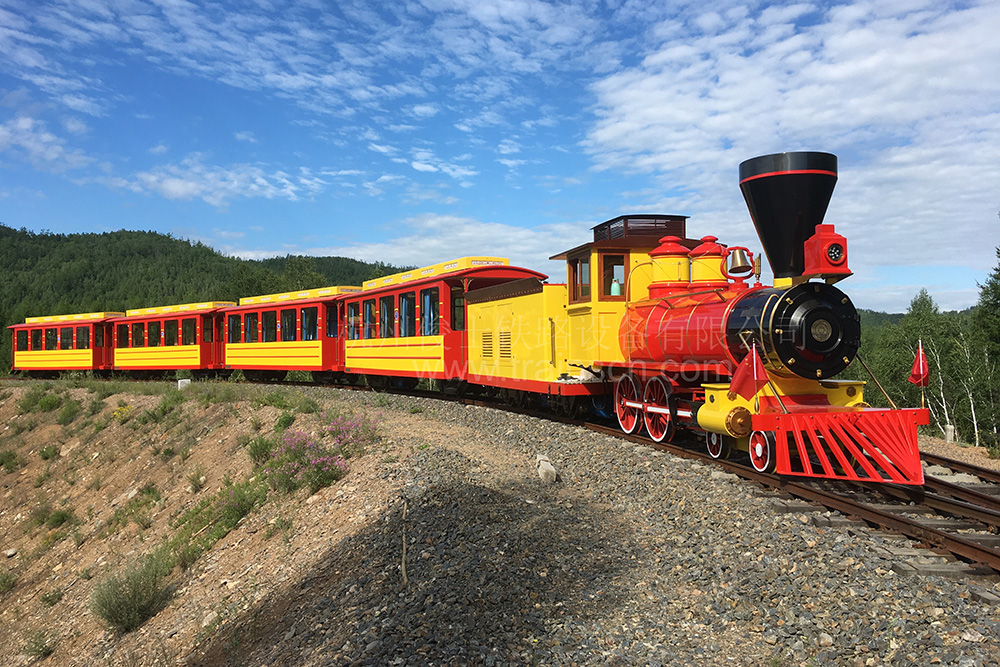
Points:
(964, 520)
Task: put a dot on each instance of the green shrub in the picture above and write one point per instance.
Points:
(7, 581)
(52, 598)
(259, 449)
(284, 421)
(38, 645)
(11, 461)
(95, 406)
(69, 412)
(29, 402)
(277, 399)
(235, 501)
(301, 461)
(60, 517)
(49, 402)
(49, 452)
(129, 598)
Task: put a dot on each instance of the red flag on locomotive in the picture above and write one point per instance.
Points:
(920, 375)
(750, 376)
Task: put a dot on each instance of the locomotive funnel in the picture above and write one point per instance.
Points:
(787, 194)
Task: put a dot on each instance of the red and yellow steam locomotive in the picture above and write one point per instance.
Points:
(650, 326)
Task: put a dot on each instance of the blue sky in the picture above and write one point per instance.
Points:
(417, 131)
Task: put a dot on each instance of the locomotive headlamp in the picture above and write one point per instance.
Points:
(821, 330)
(835, 253)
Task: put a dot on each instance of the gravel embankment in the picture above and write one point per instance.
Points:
(631, 558)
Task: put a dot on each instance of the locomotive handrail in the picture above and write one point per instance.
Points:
(877, 383)
(718, 291)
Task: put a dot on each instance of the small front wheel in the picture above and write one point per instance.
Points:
(762, 451)
(718, 446)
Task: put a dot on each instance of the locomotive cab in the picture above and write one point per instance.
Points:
(603, 277)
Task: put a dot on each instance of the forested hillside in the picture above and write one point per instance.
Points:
(53, 274)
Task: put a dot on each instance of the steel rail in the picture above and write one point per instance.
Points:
(983, 473)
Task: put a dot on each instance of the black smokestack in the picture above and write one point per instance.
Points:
(787, 194)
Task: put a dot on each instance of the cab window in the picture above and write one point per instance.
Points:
(579, 278)
(612, 276)
(387, 317)
(83, 338)
(269, 320)
(430, 320)
(288, 328)
(66, 338)
(22, 341)
(99, 335)
(36, 339)
(51, 339)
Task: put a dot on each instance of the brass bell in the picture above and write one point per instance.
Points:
(739, 262)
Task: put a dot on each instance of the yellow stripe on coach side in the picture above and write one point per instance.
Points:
(172, 356)
(275, 355)
(421, 354)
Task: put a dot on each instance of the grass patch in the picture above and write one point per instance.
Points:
(11, 461)
(259, 449)
(49, 453)
(199, 528)
(283, 422)
(196, 479)
(299, 461)
(135, 510)
(7, 582)
(29, 401)
(95, 406)
(52, 598)
(129, 598)
(70, 410)
(172, 398)
(38, 645)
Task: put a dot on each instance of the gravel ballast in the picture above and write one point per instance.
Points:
(632, 557)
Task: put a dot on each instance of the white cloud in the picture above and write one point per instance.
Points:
(424, 110)
(28, 139)
(428, 239)
(217, 186)
(159, 149)
(245, 136)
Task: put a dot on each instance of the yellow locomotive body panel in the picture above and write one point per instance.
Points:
(520, 337)
(419, 355)
(54, 359)
(171, 356)
(278, 355)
